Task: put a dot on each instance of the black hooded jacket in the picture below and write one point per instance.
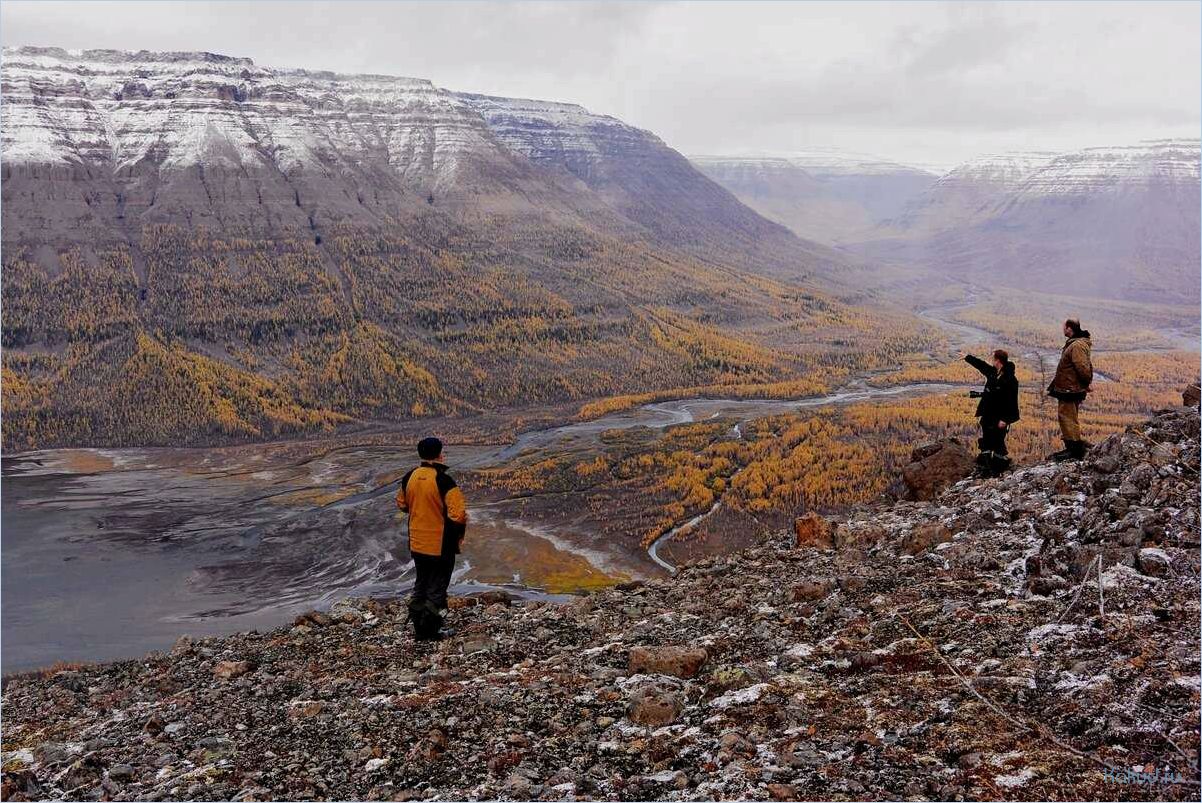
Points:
(1000, 399)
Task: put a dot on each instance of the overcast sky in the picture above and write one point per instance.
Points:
(930, 82)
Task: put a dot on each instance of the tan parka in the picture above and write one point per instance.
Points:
(1075, 371)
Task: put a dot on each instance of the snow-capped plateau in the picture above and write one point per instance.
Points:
(1120, 222)
(823, 196)
(97, 143)
(176, 110)
(1099, 169)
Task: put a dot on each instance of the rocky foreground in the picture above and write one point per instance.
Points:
(1033, 636)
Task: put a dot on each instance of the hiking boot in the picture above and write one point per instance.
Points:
(437, 635)
(999, 464)
(1076, 450)
(426, 622)
(1063, 454)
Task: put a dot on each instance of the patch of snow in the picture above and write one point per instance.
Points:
(1017, 779)
(377, 700)
(743, 696)
(631, 681)
(664, 776)
(1071, 683)
(1051, 631)
(23, 755)
(1120, 575)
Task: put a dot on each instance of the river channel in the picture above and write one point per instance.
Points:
(109, 553)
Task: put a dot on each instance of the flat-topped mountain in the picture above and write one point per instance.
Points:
(256, 251)
(220, 141)
(825, 197)
(1116, 222)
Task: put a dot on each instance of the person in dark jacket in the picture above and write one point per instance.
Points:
(1074, 375)
(437, 523)
(997, 409)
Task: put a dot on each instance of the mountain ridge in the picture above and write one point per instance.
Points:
(1105, 221)
(253, 225)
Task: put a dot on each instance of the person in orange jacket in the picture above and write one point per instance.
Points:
(437, 524)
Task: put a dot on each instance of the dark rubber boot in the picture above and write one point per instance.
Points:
(1076, 450)
(426, 622)
(1063, 454)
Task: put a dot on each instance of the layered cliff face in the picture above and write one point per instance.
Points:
(649, 183)
(305, 246)
(1117, 222)
(102, 138)
(968, 192)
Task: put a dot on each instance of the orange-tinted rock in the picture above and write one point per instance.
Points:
(227, 670)
(654, 707)
(924, 536)
(813, 532)
(934, 467)
(782, 791)
(682, 662)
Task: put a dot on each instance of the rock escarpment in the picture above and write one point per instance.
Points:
(309, 250)
(99, 143)
(1031, 636)
(1117, 222)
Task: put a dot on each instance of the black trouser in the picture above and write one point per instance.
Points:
(993, 437)
(433, 578)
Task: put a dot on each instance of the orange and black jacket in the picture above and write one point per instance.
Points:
(437, 513)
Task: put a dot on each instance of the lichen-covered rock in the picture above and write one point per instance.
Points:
(227, 670)
(654, 706)
(924, 536)
(1192, 395)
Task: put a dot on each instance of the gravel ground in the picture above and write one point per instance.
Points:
(1034, 636)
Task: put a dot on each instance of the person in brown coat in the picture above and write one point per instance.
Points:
(1073, 376)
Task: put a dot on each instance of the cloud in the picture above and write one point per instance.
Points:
(963, 78)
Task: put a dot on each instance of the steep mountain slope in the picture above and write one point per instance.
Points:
(1028, 637)
(219, 141)
(823, 197)
(1119, 222)
(366, 245)
(647, 182)
(203, 139)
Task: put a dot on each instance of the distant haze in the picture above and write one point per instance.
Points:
(932, 84)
